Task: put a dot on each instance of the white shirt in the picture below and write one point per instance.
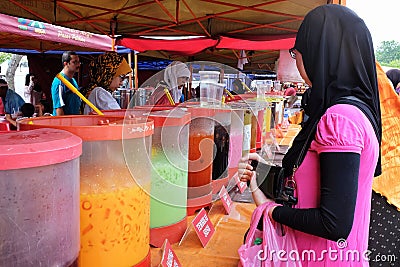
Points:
(102, 99)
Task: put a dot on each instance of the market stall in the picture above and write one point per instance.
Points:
(210, 19)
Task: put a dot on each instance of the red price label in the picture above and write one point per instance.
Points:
(169, 258)
(226, 199)
(203, 227)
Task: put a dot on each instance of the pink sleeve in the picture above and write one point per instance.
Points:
(337, 133)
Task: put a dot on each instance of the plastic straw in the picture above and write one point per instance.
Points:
(74, 90)
(246, 87)
(171, 101)
(228, 93)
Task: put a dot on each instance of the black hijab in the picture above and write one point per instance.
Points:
(394, 77)
(338, 56)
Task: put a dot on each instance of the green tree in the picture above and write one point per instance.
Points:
(387, 52)
(4, 57)
(394, 64)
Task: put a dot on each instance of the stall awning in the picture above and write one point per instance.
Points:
(182, 46)
(22, 33)
(194, 46)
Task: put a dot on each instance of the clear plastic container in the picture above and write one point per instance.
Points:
(235, 140)
(222, 130)
(115, 186)
(209, 76)
(211, 93)
(169, 176)
(39, 198)
(168, 202)
(263, 87)
(201, 145)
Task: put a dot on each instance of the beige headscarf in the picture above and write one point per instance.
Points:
(172, 72)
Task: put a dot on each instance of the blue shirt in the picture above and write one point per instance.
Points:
(65, 98)
(12, 102)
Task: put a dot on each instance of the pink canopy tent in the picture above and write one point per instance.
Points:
(40, 36)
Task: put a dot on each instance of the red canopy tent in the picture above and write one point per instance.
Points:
(194, 46)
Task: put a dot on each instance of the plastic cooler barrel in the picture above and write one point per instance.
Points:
(246, 131)
(115, 181)
(169, 176)
(235, 140)
(39, 198)
(169, 182)
(201, 145)
(222, 128)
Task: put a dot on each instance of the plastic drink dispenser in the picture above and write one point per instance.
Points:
(115, 184)
(201, 144)
(246, 131)
(169, 182)
(235, 140)
(222, 128)
(39, 200)
(169, 176)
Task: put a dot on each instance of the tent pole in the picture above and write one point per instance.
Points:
(130, 73)
(113, 43)
(136, 71)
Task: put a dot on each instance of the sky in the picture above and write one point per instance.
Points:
(382, 18)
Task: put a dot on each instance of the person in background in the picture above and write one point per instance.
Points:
(65, 102)
(12, 102)
(176, 75)
(384, 233)
(238, 87)
(33, 91)
(107, 74)
(27, 110)
(342, 156)
(394, 77)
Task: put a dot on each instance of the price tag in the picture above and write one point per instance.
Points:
(226, 199)
(203, 227)
(169, 258)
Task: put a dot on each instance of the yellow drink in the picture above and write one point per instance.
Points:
(114, 227)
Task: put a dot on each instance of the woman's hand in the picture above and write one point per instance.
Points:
(245, 170)
(246, 173)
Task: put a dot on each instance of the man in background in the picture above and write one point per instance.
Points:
(12, 102)
(65, 102)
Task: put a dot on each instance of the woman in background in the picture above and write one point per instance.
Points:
(394, 77)
(33, 91)
(107, 74)
(176, 75)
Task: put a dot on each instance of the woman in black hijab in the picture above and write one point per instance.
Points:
(341, 139)
(394, 77)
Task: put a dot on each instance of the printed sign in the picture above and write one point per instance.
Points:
(169, 258)
(203, 227)
(226, 199)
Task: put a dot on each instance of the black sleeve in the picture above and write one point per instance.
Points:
(339, 184)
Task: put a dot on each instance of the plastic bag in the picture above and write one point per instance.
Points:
(278, 247)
